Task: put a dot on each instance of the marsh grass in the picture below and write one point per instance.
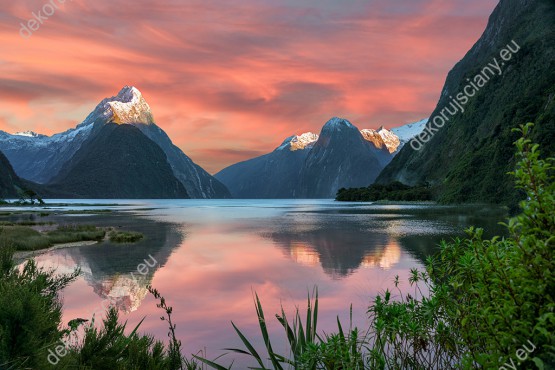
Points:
(125, 236)
(24, 238)
(77, 233)
(27, 239)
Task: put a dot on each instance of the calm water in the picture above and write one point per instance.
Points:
(211, 255)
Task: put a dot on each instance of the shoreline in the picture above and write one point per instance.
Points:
(21, 255)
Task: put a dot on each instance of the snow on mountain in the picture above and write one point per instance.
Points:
(28, 134)
(132, 109)
(340, 158)
(38, 157)
(299, 142)
(391, 140)
(408, 131)
(381, 138)
(395, 138)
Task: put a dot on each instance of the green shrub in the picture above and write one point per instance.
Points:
(30, 328)
(110, 348)
(488, 299)
(31, 311)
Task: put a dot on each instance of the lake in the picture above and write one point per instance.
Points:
(208, 257)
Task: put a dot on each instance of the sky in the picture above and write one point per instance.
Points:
(230, 80)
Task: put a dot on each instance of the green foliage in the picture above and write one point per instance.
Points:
(31, 311)
(395, 191)
(75, 233)
(308, 350)
(174, 357)
(412, 331)
(487, 298)
(31, 330)
(125, 236)
(336, 351)
(506, 287)
(29, 197)
(110, 348)
(26, 238)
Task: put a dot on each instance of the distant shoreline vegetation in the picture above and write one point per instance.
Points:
(395, 191)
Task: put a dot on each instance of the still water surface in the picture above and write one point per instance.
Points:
(211, 255)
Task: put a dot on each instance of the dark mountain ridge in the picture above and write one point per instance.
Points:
(467, 160)
(10, 183)
(340, 158)
(309, 166)
(118, 162)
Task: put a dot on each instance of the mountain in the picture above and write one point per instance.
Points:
(113, 164)
(10, 183)
(395, 138)
(512, 66)
(273, 175)
(406, 132)
(41, 158)
(38, 157)
(130, 107)
(340, 151)
(340, 158)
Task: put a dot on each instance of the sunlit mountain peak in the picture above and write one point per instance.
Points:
(130, 106)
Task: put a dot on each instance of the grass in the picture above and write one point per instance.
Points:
(24, 238)
(125, 236)
(27, 239)
(70, 234)
(25, 223)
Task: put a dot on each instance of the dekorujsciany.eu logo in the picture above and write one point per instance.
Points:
(39, 17)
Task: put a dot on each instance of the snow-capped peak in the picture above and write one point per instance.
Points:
(410, 130)
(299, 142)
(129, 106)
(28, 134)
(395, 138)
(381, 137)
(302, 141)
(391, 140)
